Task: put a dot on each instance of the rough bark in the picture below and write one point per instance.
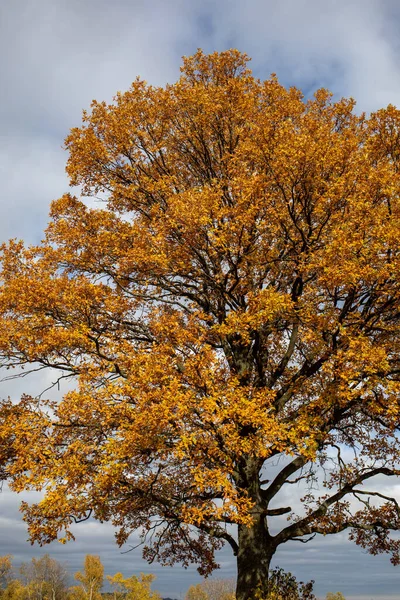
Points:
(253, 561)
(256, 545)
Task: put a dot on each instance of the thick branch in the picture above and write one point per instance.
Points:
(282, 477)
(287, 356)
(274, 512)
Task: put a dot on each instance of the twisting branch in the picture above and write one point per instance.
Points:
(305, 526)
(357, 493)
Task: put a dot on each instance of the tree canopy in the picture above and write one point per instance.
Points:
(228, 295)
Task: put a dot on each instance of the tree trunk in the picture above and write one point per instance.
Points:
(253, 561)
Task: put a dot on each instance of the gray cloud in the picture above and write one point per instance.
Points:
(349, 46)
(56, 55)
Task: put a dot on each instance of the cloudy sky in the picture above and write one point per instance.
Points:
(57, 55)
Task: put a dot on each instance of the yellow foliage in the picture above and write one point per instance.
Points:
(91, 579)
(5, 567)
(196, 592)
(133, 588)
(15, 590)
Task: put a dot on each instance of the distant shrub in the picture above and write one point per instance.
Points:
(284, 586)
(196, 592)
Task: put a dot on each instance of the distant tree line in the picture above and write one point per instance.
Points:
(46, 579)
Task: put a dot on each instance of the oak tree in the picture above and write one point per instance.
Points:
(225, 293)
